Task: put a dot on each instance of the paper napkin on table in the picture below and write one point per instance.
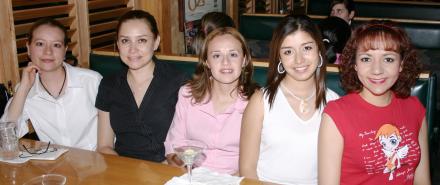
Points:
(204, 176)
(45, 156)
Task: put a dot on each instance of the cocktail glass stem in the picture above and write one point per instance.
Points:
(189, 169)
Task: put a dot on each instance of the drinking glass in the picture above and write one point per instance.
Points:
(189, 151)
(8, 141)
(47, 179)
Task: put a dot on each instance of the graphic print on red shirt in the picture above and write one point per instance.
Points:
(388, 149)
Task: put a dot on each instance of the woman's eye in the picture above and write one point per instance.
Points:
(142, 41)
(58, 45)
(287, 52)
(234, 54)
(38, 44)
(123, 41)
(389, 60)
(365, 59)
(215, 56)
(308, 48)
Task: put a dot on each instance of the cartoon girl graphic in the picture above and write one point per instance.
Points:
(389, 137)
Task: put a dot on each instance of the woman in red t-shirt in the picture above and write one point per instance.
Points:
(377, 133)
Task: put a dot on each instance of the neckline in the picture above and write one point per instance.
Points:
(302, 122)
(303, 102)
(375, 107)
(61, 89)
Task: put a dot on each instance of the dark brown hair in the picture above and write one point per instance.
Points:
(376, 35)
(141, 15)
(50, 22)
(201, 84)
(210, 22)
(289, 25)
(349, 4)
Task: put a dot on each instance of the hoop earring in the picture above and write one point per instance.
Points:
(280, 68)
(321, 61)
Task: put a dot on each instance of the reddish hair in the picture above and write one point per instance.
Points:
(377, 35)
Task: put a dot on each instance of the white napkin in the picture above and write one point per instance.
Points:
(204, 176)
(45, 156)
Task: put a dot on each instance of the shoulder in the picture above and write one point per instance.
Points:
(83, 73)
(113, 79)
(256, 99)
(185, 91)
(341, 103)
(412, 100)
(330, 95)
(166, 69)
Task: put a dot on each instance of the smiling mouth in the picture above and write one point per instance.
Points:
(134, 58)
(301, 69)
(226, 70)
(47, 60)
(377, 81)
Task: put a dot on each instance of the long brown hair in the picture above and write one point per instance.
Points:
(201, 84)
(287, 26)
(373, 35)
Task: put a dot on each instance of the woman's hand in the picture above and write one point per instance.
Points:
(174, 160)
(28, 76)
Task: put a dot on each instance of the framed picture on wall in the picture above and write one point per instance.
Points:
(190, 13)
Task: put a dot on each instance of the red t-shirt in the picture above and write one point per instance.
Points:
(380, 143)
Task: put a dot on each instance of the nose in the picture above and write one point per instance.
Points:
(299, 58)
(47, 49)
(377, 67)
(132, 47)
(225, 59)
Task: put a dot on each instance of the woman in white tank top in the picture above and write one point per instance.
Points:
(280, 125)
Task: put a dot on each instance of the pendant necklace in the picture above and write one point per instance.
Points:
(303, 102)
(62, 87)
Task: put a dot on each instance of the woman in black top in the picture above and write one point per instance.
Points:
(137, 105)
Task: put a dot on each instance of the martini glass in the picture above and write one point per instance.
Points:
(189, 151)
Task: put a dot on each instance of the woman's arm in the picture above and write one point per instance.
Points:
(422, 171)
(15, 108)
(250, 137)
(178, 129)
(330, 147)
(106, 136)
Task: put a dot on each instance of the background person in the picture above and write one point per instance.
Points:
(344, 9)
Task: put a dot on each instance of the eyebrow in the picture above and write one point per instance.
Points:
(136, 36)
(237, 50)
(39, 39)
(288, 47)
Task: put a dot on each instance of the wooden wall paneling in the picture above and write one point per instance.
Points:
(162, 13)
(232, 9)
(8, 53)
(102, 21)
(177, 44)
(18, 3)
(33, 13)
(250, 6)
(81, 37)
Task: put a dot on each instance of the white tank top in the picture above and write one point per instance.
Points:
(289, 145)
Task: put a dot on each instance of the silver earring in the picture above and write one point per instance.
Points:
(321, 61)
(280, 68)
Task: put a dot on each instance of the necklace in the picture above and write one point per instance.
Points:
(303, 102)
(62, 87)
